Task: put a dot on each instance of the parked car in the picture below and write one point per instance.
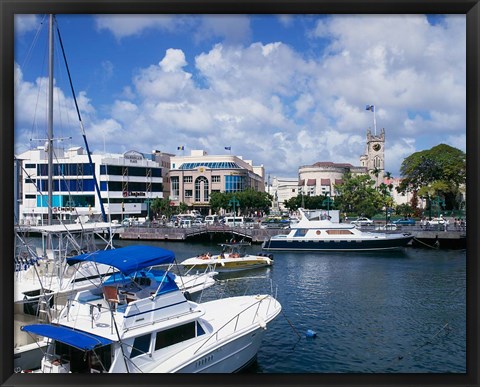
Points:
(389, 226)
(249, 223)
(435, 221)
(362, 222)
(404, 222)
(197, 223)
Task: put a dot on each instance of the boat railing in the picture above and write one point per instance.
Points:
(236, 320)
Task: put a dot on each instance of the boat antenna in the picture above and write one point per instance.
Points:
(97, 188)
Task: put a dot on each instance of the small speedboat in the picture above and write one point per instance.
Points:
(232, 258)
(140, 322)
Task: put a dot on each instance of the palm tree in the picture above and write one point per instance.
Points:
(375, 171)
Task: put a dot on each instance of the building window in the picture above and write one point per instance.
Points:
(201, 184)
(175, 186)
(210, 165)
(234, 183)
(216, 179)
(187, 179)
(188, 193)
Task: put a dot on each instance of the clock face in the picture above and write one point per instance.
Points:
(376, 147)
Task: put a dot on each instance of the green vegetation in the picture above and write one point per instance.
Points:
(309, 202)
(437, 175)
(248, 201)
(161, 207)
(358, 195)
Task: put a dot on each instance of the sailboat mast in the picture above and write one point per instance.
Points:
(50, 120)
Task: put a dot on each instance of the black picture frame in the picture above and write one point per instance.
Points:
(472, 11)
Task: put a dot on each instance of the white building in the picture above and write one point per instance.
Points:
(283, 189)
(126, 182)
(321, 178)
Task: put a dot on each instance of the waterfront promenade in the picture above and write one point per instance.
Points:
(434, 238)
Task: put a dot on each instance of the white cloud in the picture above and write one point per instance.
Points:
(284, 107)
(25, 23)
(31, 111)
(232, 29)
(173, 61)
(122, 26)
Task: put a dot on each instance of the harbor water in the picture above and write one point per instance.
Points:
(382, 312)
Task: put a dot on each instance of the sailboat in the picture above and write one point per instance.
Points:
(43, 280)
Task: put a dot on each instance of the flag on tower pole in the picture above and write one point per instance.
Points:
(372, 109)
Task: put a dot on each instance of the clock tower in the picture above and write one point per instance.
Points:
(374, 157)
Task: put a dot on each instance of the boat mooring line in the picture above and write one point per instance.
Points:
(284, 315)
(435, 247)
(445, 327)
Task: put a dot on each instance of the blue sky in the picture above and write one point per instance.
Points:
(281, 90)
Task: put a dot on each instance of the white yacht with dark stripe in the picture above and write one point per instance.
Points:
(324, 235)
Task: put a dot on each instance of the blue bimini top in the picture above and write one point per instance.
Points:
(78, 339)
(164, 279)
(127, 259)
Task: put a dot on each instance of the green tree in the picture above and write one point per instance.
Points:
(357, 194)
(309, 202)
(249, 201)
(218, 201)
(440, 170)
(160, 206)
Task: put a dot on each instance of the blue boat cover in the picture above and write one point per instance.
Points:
(127, 259)
(78, 339)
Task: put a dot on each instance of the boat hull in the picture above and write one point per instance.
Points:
(229, 267)
(288, 244)
(230, 357)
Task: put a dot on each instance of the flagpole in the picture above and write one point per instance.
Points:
(374, 121)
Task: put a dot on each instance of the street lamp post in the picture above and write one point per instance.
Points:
(438, 202)
(234, 202)
(148, 202)
(328, 201)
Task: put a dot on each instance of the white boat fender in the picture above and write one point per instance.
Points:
(262, 323)
(311, 334)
